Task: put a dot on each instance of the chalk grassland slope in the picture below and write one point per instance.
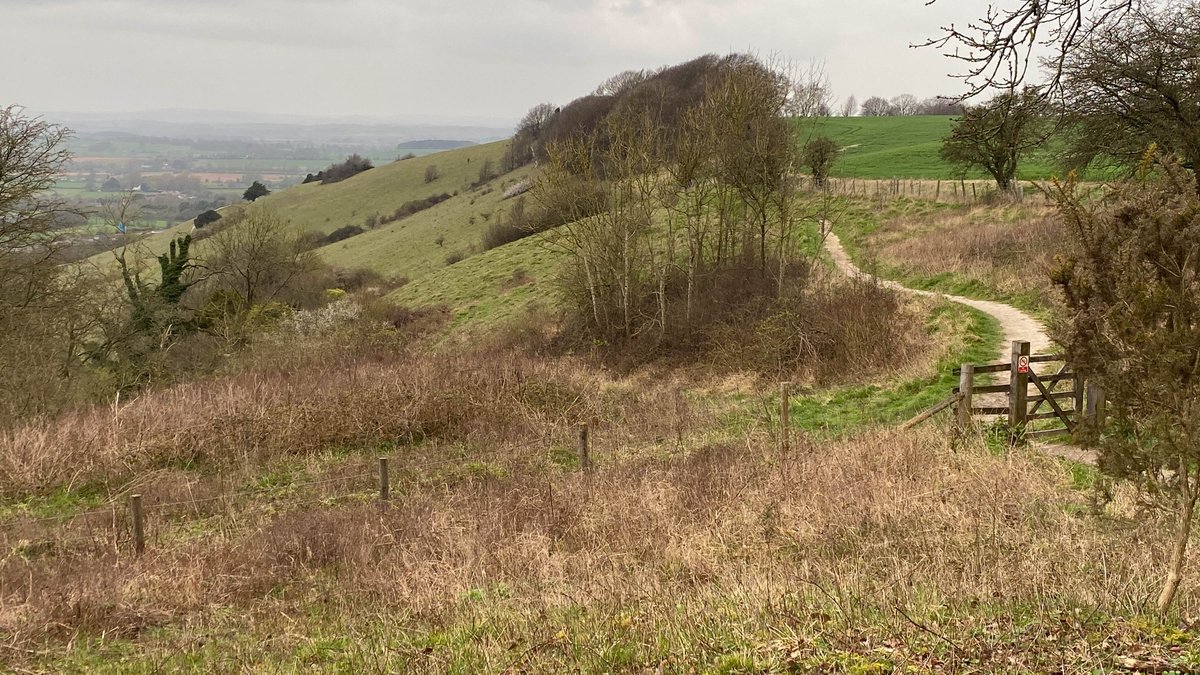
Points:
(380, 190)
(420, 244)
(405, 248)
(902, 147)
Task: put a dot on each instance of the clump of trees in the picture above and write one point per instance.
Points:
(675, 212)
(351, 166)
(528, 136)
(906, 105)
(256, 190)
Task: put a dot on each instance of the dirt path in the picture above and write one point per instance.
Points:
(1014, 324)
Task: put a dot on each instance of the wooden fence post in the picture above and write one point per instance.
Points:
(1078, 396)
(1095, 405)
(785, 415)
(139, 529)
(966, 383)
(385, 488)
(1018, 395)
(585, 460)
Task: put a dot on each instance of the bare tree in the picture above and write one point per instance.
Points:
(850, 106)
(32, 155)
(876, 106)
(995, 136)
(42, 318)
(256, 258)
(811, 93)
(997, 50)
(903, 105)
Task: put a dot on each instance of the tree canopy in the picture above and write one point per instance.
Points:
(995, 136)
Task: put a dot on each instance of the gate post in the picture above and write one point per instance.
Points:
(1095, 405)
(966, 385)
(1018, 393)
(1080, 386)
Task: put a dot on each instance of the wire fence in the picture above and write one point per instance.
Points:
(938, 190)
(129, 520)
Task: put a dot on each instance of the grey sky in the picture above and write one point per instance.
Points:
(462, 58)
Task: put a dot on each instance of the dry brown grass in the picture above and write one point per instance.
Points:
(250, 420)
(730, 542)
(1009, 249)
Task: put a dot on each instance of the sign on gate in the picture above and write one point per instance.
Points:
(1023, 364)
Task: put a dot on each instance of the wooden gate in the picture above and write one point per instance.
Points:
(1029, 395)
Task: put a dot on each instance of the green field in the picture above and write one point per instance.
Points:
(901, 147)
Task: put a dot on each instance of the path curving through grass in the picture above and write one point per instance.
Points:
(1014, 324)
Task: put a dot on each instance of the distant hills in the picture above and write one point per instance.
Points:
(434, 144)
(228, 125)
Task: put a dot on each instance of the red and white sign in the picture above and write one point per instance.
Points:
(1023, 364)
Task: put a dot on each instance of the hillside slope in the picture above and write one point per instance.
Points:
(408, 247)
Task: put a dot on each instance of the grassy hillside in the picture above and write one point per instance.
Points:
(900, 147)
(421, 243)
(408, 247)
(380, 190)
(488, 288)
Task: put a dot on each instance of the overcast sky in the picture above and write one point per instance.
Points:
(463, 59)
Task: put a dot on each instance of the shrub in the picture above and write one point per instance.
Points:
(455, 257)
(414, 206)
(310, 239)
(432, 173)
(207, 218)
(343, 233)
(487, 172)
